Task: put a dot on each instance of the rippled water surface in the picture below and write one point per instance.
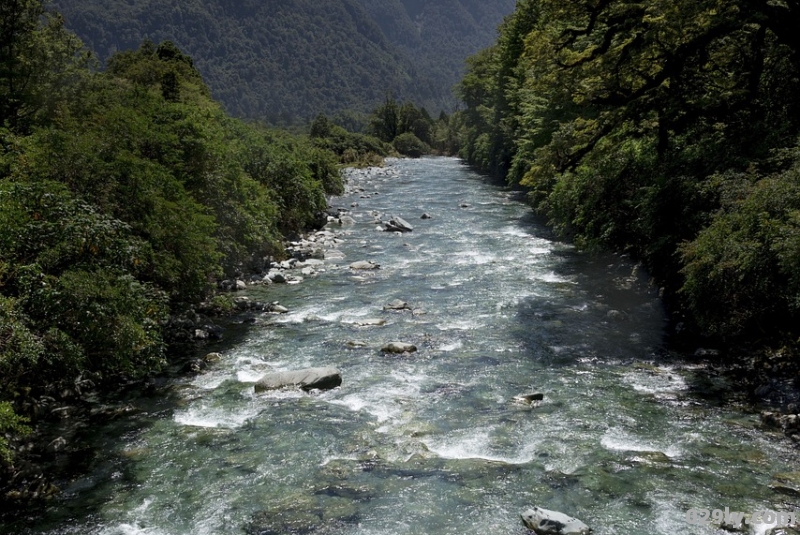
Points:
(430, 443)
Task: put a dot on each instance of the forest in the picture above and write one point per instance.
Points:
(666, 130)
(285, 62)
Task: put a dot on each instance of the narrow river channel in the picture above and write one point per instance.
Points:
(430, 442)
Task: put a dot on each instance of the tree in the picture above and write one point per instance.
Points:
(385, 120)
(38, 57)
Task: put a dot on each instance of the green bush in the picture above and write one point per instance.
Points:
(408, 144)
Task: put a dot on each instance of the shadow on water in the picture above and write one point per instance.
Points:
(85, 460)
(606, 310)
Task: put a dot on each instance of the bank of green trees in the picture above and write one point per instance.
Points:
(411, 130)
(123, 195)
(667, 129)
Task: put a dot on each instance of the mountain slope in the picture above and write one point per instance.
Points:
(291, 59)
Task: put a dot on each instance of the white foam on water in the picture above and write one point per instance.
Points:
(464, 325)
(130, 529)
(478, 445)
(473, 258)
(514, 231)
(670, 520)
(248, 376)
(549, 276)
(452, 346)
(134, 528)
(616, 439)
(661, 380)
(387, 401)
(301, 315)
(204, 414)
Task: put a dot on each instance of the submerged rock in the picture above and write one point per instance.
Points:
(364, 264)
(307, 379)
(546, 522)
(373, 322)
(300, 513)
(399, 347)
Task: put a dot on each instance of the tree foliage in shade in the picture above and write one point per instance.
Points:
(411, 130)
(665, 129)
(39, 63)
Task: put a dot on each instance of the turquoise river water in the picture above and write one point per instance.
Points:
(430, 442)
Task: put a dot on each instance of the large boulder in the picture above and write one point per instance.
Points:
(321, 378)
(398, 224)
(546, 522)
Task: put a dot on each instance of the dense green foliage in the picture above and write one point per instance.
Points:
(290, 60)
(665, 129)
(351, 147)
(123, 195)
(411, 130)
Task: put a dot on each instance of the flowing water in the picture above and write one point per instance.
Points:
(430, 442)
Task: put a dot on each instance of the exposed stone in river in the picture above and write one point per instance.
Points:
(547, 522)
(399, 347)
(307, 379)
(364, 265)
(527, 399)
(398, 224)
(397, 304)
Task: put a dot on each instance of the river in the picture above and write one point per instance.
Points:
(626, 438)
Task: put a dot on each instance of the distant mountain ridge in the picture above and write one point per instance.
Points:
(287, 60)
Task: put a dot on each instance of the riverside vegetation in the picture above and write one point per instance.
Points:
(668, 130)
(124, 195)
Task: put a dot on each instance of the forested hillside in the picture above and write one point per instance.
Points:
(665, 129)
(291, 59)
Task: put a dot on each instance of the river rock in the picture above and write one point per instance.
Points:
(398, 224)
(546, 522)
(397, 304)
(399, 347)
(277, 276)
(372, 322)
(300, 513)
(426, 216)
(527, 399)
(365, 265)
(322, 378)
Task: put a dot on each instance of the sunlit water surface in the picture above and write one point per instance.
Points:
(430, 443)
